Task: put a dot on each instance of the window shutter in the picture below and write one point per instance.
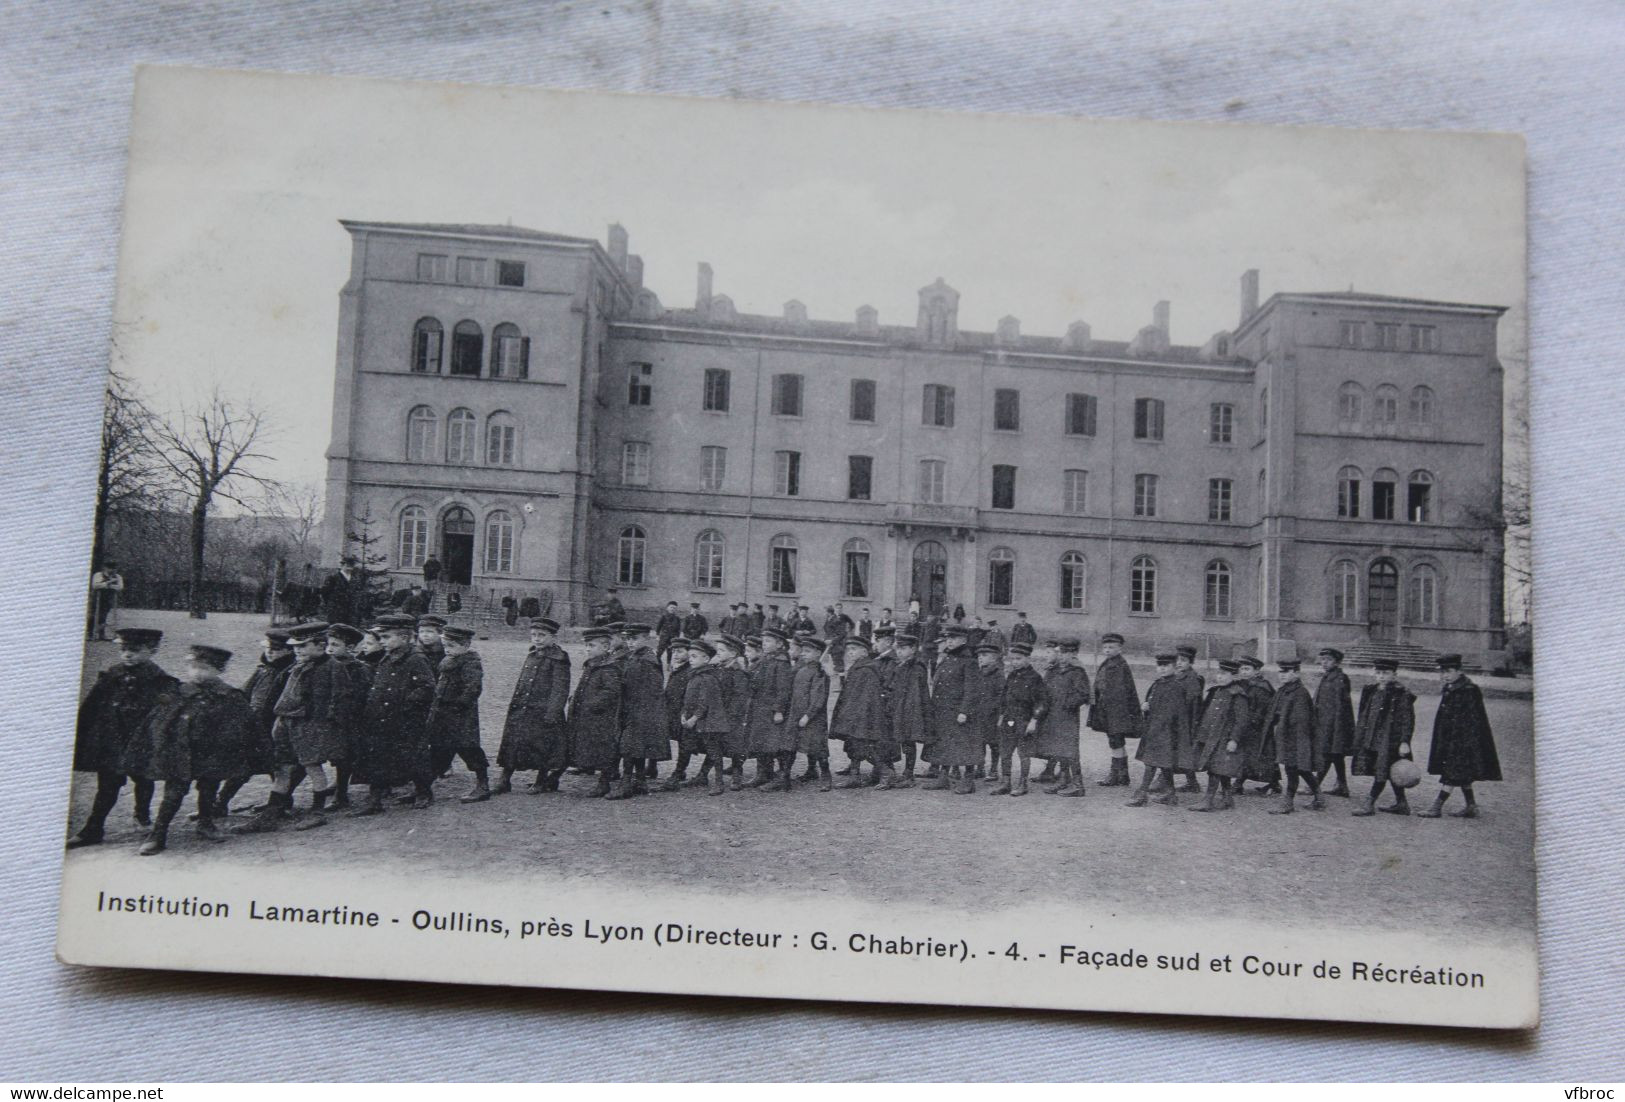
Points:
(524, 357)
(948, 405)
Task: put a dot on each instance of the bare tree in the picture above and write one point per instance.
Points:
(297, 509)
(210, 450)
(133, 472)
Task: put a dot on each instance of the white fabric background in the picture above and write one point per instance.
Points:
(1549, 70)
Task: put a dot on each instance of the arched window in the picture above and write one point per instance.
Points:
(1422, 405)
(414, 537)
(501, 440)
(1385, 404)
(1350, 404)
(708, 548)
(1001, 577)
(1422, 599)
(1419, 498)
(1348, 491)
(1384, 494)
(499, 543)
(781, 565)
(428, 338)
(1074, 581)
(510, 353)
(467, 349)
(422, 430)
(630, 549)
(855, 569)
(1142, 586)
(461, 436)
(1345, 591)
(1216, 591)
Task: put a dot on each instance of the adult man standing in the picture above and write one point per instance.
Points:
(1291, 726)
(106, 586)
(338, 593)
(669, 627)
(866, 625)
(1334, 719)
(694, 624)
(431, 576)
(1023, 632)
(1068, 688)
(1463, 750)
(837, 626)
(958, 745)
(1114, 709)
(1382, 736)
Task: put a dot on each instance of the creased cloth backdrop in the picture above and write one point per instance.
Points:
(1548, 69)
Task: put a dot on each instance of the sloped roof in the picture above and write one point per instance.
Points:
(472, 229)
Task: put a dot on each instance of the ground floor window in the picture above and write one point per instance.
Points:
(630, 551)
(1142, 586)
(781, 555)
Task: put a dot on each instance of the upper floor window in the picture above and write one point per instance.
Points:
(1148, 418)
(1348, 333)
(1348, 492)
(859, 475)
(1350, 403)
(1080, 414)
(1004, 486)
(428, 339)
(1387, 336)
(1142, 586)
(1419, 498)
(781, 565)
(471, 270)
(715, 399)
(501, 440)
(1384, 494)
(1074, 491)
(499, 543)
(510, 353)
(1145, 495)
(939, 406)
(461, 436)
(414, 541)
(1424, 338)
(787, 473)
(433, 267)
(713, 467)
(631, 548)
(467, 349)
(1422, 405)
(1385, 404)
(862, 401)
(1219, 494)
(933, 481)
(635, 463)
(1007, 409)
(510, 273)
(640, 387)
(1001, 577)
(422, 431)
(1221, 423)
(787, 395)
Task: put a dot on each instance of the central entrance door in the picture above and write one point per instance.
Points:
(457, 545)
(1382, 601)
(930, 580)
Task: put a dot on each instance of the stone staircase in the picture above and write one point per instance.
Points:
(1408, 655)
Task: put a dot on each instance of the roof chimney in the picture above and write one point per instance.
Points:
(702, 293)
(868, 321)
(795, 312)
(1009, 331)
(634, 272)
(617, 245)
(1159, 317)
(1249, 294)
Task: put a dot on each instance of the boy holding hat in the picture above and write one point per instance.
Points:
(1222, 733)
(393, 743)
(958, 745)
(1382, 735)
(1166, 730)
(595, 711)
(705, 705)
(114, 714)
(454, 717)
(534, 734)
(1114, 710)
(1068, 689)
(1463, 748)
(1291, 727)
(643, 714)
(1334, 718)
(1022, 709)
(809, 711)
(772, 738)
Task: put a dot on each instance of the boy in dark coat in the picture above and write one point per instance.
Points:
(357, 684)
(809, 710)
(1166, 730)
(986, 696)
(706, 714)
(860, 718)
(262, 688)
(595, 712)
(1382, 735)
(1021, 714)
(736, 674)
(1115, 708)
(454, 717)
(772, 736)
(672, 703)
(393, 743)
(1222, 734)
(1291, 726)
(199, 731)
(535, 735)
(1195, 687)
(694, 624)
(1261, 751)
(307, 730)
(1068, 689)
(913, 721)
(957, 750)
(113, 714)
(429, 642)
(1334, 718)
(643, 714)
(1463, 749)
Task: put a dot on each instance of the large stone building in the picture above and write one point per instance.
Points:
(519, 405)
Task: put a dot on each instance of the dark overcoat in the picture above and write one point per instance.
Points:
(535, 735)
(1291, 727)
(676, 685)
(265, 685)
(643, 708)
(202, 731)
(1195, 689)
(1167, 724)
(705, 702)
(695, 626)
(669, 627)
(913, 719)
(1463, 749)
(1115, 708)
(114, 714)
(454, 717)
(309, 724)
(886, 666)
(434, 653)
(393, 744)
(809, 700)
(987, 697)
(770, 685)
(860, 714)
(1068, 688)
(953, 692)
(1225, 719)
(595, 714)
(1386, 721)
(356, 684)
(736, 694)
(1024, 700)
(1260, 746)
(1023, 632)
(1334, 713)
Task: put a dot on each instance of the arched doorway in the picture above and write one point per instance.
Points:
(1382, 601)
(930, 578)
(457, 545)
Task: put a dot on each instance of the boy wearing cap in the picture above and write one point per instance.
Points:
(643, 715)
(1290, 726)
(860, 718)
(705, 706)
(1114, 710)
(1195, 688)
(736, 692)
(1334, 718)
(986, 694)
(429, 642)
(114, 714)
(595, 711)
(1068, 689)
(772, 737)
(454, 717)
(393, 743)
(913, 720)
(672, 707)
(307, 730)
(1382, 735)
(809, 711)
(1463, 749)
(695, 624)
(341, 639)
(371, 648)
(262, 688)
(535, 734)
(199, 731)
(1221, 737)
(1261, 749)
(958, 745)
(1166, 730)
(1022, 709)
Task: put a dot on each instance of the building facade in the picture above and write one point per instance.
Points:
(520, 406)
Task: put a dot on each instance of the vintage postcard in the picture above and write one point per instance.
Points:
(755, 549)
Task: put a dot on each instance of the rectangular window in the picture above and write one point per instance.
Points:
(713, 468)
(1424, 338)
(1348, 334)
(1419, 502)
(510, 273)
(787, 474)
(1348, 497)
(513, 355)
(716, 390)
(426, 345)
(1148, 418)
(1145, 495)
(1216, 596)
(859, 470)
(1004, 486)
(787, 395)
(471, 270)
(432, 267)
(1218, 499)
(1387, 336)
(635, 463)
(939, 406)
(1382, 500)
(499, 444)
(640, 387)
(1080, 414)
(1007, 410)
(1075, 486)
(933, 479)
(863, 400)
(1221, 423)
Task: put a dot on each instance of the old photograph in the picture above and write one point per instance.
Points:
(564, 539)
